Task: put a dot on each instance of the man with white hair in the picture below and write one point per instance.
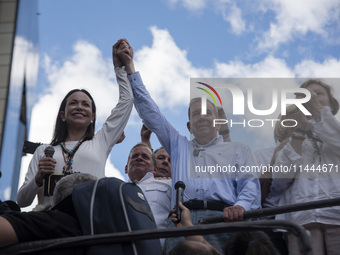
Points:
(141, 169)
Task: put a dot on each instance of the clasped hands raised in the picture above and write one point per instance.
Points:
(122, 55)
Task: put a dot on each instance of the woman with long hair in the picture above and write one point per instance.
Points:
(77, 148)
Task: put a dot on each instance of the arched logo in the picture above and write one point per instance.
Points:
(209, 93)
(239, 99)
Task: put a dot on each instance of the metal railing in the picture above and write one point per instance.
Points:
(279, 210)
(205, 228)
(120, 237)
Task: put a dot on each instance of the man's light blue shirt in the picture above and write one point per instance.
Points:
(232, 189)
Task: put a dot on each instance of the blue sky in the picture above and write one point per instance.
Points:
(175, 40)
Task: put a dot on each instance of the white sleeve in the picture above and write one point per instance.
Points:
(29, 189)
(116, 122)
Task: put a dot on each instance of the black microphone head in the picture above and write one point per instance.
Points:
(49, 151)
(180, 184)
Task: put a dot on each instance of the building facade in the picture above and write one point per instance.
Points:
(19, 60)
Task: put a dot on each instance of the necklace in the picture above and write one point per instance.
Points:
(68, 156)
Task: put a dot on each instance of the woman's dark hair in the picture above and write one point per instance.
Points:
(60, 129)
(333, 102)
(250, 243)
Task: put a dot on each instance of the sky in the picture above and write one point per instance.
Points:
(173, 41)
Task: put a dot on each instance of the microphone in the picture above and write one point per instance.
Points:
(179, 187)
(49, 151)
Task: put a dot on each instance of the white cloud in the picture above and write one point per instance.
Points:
(192, 5)
(329, 68)
(294, 19)
(25, 56)
(7, 193)
(233, 15)
(229, 10)
(173, 66)
(112, 171)
(269, 67)
(291, 20)
(85, 69)
(272, 67)
(166, 70)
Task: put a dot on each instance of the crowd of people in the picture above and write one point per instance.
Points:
(80, 155)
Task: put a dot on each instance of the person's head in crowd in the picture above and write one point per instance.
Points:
(202, 126)
(66, 184)
(250, 243)
(141, 160)
(324, 93)
(189, 247)
(77, 111)
(163, 162)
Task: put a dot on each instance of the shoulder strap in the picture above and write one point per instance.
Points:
(92, 204)
(122, 199)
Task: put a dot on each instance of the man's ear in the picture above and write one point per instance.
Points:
(126, 169)
(188, 126)
(155, 169)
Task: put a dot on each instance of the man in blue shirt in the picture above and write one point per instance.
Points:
(207, 193)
